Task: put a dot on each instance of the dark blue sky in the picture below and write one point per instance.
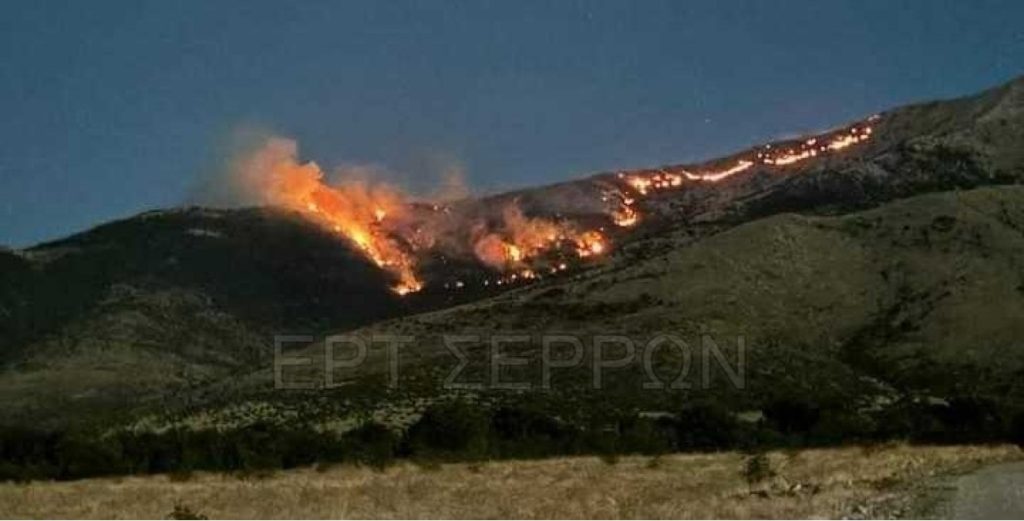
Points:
(109, 108)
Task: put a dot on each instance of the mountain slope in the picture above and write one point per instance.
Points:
(834, 283)
(918, 299)
(941, 145)
(938, 276)
(137, 308)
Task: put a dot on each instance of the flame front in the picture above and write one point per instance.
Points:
(520, 240)
(381, 223)
(356, 210)
(625, 214)
(378, 220)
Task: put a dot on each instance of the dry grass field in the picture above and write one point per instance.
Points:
(806, 484)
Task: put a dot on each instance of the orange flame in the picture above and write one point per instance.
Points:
(521, 239)
(355, 210)
(376, 217)
(590, 243)
(626, 214)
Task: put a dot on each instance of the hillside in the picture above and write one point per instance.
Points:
(874, 273)
(912, 302)
(138, 308)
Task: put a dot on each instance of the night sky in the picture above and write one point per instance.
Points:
(110, 108)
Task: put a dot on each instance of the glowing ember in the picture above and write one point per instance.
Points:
(626, 216)
(590, 243)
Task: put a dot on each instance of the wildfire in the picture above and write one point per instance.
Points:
(589, 244)
(526, 275)
(520, 239)
(715, 176)
(355, 210)
(626, 214)
(813, 147)
(380, 222)
(659, 181)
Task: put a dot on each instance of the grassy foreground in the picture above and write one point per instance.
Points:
(801, 484)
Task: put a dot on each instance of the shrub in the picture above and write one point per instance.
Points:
(27, 454)
(646, 436)
(259, 446)
(793, 416)
(841, 425)
(453, 429)
(372, 444)
(757, 468)
(1017, 429)
(707, 426)
(908, 420)
(79, 457)
(519, 432)
(971, 419)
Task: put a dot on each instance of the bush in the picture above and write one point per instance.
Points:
(27, 454)
(971, 419)
(602, 440)
(1017, 429)
(757, 468)
(646, 436)
(453, 429)
(841, 425)
(793, 416)
(151, 453)
(459, 430)
(372, 444)
(707, 426)
(908, 420)
(259, 447)
(519, 432)
(79, 457)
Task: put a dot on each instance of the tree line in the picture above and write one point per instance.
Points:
(460, 431)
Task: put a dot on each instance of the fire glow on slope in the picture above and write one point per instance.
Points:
(379, 219)
(521, 239)
(642, 185)
(357, 210)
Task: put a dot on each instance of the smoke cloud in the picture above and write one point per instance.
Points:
(393, 227)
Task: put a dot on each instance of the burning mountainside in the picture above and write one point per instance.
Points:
(396, 231)
(134, 307)
(638, 186)
(364, 214)
(393, 230)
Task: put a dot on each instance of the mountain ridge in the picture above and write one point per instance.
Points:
(183, 299)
